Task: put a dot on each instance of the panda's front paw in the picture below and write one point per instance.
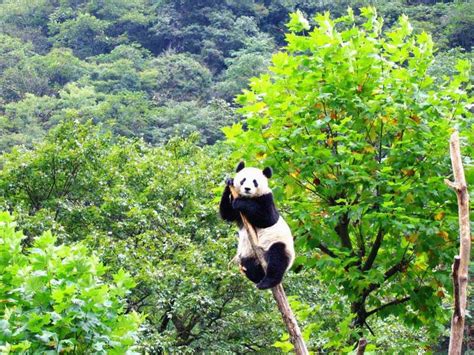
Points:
(229, 182)
(236, 204)
(239, 204)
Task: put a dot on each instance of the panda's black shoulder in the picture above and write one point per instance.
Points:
(267, 204)
(266, 200)
(260, 210)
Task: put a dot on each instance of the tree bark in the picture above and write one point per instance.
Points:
(279, 295)
(461, 261)
(361, 346)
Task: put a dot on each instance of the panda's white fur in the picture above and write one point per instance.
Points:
(279, 232)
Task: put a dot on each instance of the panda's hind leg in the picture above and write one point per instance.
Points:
(252, 268)
(277, 263)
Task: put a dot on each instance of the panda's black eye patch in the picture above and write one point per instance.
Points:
(255, 183)
(243, 180)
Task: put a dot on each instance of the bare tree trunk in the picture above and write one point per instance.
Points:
(461, 261)
(361, 346)
(278, 292)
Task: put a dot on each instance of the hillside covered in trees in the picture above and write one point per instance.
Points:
(120, 120)
(163, 68)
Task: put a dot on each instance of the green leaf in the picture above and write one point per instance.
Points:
(298, 22)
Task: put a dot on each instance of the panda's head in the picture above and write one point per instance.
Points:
(252, 182)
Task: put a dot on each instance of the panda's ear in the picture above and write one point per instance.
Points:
(240, 166)
(268, 172)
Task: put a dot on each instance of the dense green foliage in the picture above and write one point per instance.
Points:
(158, 69)
(55, 298)
(110, 112)
(150, 211)
(358, 132)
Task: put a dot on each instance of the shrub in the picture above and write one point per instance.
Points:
(55, 298)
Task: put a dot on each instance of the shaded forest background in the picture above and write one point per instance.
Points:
(163, 68)
(111, 117)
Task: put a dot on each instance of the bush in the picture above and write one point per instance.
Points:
(54, 298)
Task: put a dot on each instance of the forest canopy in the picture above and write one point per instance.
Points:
(120, 120)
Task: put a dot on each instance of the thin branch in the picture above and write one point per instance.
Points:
(137, 304)
(389, 273)
(53, 184)
(451, 184)
(70, 180)
(368, 327)
(379, 159)
(218, 316)
(392, 303)
(326, 250)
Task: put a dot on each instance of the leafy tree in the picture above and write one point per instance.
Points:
(245, 63)
(444, 64)
(117, 76)
(183, 118)
(359, 130)
(54, 298)
(27, 20)
(25, 121)
(84, 34)
(60, 66)
(460, 25)
(134, 53)
(274, 14)
(12, 50)
(180, 77)
(126, 113)
(152, 212)
(132, 20)
(206, 28)
(21, 79)
(41, 75)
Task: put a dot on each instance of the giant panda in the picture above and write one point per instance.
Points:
(255, 202)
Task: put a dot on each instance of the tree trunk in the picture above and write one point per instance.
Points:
(358, 308)
(361, 346)
(461, 261)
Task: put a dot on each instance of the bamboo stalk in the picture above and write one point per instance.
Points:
(278, 292)
(461, 261)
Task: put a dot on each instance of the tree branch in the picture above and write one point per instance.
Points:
(326, 250)
(392, 303)
(218, 316)
(70, 180)
(389, 273)
(279, 295)
(361, 242)
(342, 230)
(34, 202)
(53, 184)
(374, 251)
